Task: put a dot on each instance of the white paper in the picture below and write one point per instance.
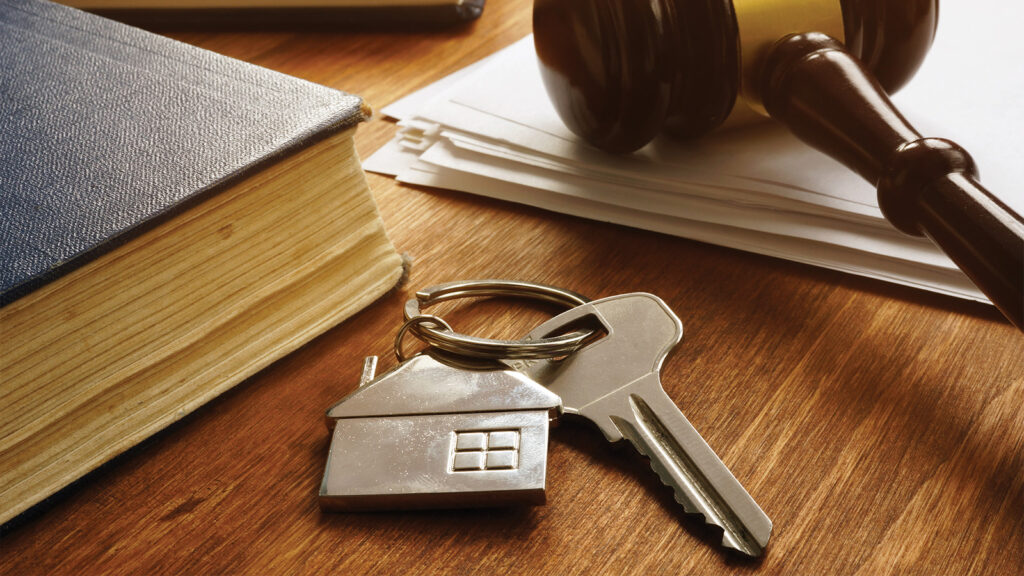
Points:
(952, 283)
(865, 238)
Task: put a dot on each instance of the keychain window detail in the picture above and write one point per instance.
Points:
(483, 450)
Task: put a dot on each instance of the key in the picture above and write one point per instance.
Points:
(614, 382)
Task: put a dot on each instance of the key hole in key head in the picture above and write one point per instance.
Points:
(589, 323)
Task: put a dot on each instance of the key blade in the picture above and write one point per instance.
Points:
(703, 485)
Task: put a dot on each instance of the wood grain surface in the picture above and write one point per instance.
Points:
(879, 427)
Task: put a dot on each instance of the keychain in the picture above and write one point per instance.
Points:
(466, 423)
(447, 430)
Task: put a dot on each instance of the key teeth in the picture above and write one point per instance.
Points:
(750, 549)
(691, 509)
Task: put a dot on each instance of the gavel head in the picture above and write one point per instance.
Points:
(621, 71)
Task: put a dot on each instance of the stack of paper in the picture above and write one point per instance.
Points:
(490, 129)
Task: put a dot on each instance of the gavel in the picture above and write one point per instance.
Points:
(619, 72)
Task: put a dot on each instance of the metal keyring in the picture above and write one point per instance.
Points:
(450, 341)
(416, 321)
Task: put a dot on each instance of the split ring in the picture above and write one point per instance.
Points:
(439, 334)
(416, 321)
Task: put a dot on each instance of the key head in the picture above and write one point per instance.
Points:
(641, 331)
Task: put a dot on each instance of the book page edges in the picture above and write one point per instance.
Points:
(87, 423)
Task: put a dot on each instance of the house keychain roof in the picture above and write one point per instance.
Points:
(424, 385)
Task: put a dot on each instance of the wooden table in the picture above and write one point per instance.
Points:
(880, 427)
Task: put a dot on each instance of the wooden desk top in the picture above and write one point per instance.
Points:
(879, 427)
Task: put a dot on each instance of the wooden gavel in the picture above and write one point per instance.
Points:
(621, 71)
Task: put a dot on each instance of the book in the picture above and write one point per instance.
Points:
(172, 222)
(278, 13)
(491, 130)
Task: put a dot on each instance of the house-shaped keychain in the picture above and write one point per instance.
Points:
(431, 435)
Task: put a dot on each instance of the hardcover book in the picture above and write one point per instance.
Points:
(172, 222)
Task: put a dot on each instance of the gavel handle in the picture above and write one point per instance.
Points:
(926, 186)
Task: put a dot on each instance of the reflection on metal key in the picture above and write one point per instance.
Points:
(614, 382)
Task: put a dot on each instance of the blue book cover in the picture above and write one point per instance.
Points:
(106, 130)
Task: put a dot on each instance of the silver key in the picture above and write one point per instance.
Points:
(614, 382)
